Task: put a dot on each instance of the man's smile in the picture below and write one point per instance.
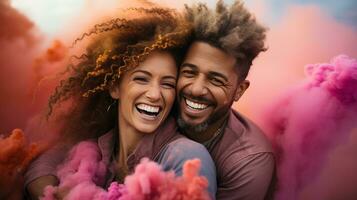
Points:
(195, 105)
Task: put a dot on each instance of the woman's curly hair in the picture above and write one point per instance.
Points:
(115, 47)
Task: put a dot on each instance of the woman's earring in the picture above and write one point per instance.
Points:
(110, 106)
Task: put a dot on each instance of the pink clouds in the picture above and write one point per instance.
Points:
(309, 121)
(307, 35)
(303, 35)
(83, 175)
(336, 181)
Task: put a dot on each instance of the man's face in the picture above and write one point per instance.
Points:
(208, 84)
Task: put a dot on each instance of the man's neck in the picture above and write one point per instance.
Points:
(209, 133)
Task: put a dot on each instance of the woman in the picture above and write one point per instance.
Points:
(122, 92)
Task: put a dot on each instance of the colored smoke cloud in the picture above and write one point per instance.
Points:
(22, 66)
(302, 35)
(338, 171)
(309, 122)
(83, 176)
(15, 155)
(18, 43)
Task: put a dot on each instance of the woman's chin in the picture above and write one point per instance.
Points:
(147, 129)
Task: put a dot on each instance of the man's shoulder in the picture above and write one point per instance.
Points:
(245, 135)
(241, 139)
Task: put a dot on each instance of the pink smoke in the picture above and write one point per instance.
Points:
(310, 120)
(333, 176)
(83, 177)
(304, 34)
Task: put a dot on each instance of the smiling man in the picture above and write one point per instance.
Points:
(212, 77)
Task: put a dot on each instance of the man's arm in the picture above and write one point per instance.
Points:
(249, 178)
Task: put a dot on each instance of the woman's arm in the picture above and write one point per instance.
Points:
(36, 187)
(42, 171)
(177, 152)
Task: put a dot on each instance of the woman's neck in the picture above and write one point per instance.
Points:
(129, 138)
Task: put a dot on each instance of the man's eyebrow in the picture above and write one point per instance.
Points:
(211, 73)
(192, 66)
(219, 75)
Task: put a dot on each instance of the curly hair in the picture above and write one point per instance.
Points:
(233, 30)
(115, 47)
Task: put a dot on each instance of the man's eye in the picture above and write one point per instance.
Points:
(217, 82)
(188, 73)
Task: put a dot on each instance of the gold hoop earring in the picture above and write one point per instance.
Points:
(110, 106)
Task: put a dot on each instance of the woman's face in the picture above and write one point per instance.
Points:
(147, 92)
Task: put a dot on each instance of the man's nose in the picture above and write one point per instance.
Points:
(198, 86)
(154, 92)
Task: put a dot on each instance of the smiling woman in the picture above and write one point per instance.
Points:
(121, 93)
(149, 93)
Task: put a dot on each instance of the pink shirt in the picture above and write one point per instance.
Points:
(244, 161)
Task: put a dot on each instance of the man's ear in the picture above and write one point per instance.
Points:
(114, 92)
(243, 86)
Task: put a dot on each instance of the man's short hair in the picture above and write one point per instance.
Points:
(232, 29)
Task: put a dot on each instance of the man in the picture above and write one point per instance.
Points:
(212, 77)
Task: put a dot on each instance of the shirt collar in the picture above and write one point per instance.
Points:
(149, 146)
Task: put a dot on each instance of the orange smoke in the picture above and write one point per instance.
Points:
(46, 63)
(15, 155)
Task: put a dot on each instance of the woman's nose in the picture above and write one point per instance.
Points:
(154, 92)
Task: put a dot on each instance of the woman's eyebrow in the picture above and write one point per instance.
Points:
(149, 74)
(169, 77)
(141, 71)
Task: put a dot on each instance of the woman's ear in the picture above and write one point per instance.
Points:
(243, 86)
(114, 92)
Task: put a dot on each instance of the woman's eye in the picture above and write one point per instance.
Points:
(169, 85)
(140, 79)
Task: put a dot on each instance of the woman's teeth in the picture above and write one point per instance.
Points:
(147, 109)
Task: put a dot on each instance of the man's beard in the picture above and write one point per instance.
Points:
(202, 127)
(186, 127)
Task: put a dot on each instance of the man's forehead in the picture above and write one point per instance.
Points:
(204, 55)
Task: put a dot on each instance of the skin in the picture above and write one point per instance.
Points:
(153, 84)
(209, 80)
(36, 187)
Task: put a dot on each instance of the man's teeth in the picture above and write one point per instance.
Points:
(195, 105)
(147, 108)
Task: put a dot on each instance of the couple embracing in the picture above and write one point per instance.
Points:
(161, 85)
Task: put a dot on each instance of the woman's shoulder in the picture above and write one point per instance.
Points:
(182, 149)
(185, 144)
